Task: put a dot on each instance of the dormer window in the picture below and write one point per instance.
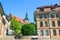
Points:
(54, 6)
(51, 8)
(41, 9)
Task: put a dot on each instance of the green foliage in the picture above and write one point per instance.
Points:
(16, 26)
(28, 29)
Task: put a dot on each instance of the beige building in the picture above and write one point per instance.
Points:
(1, 27)
(47, 19)
(3, 22)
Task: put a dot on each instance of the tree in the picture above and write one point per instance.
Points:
(16, 26)
(28, 29)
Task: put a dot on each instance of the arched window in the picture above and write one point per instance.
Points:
(58, 23)
(53, 23)
(41, 32)
(45, 15)
(57, 15)
(47, 32)
(40, 16)
(52, 15)
(54, 32)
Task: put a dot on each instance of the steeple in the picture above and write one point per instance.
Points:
(26, 17)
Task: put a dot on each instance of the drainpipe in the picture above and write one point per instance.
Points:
(49, 24)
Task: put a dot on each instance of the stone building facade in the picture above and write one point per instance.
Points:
(1, 21)
(4, 22)
(47, 19)
(1, 27)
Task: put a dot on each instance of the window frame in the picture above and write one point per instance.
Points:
(59, 31)
(58, 15)
(46, 23)
(45, 15)
(41, 24)
(40, 16)
(53, 23)
(55, 32)
(47, 32)
(52, 15)
(41, 32)
(58, 22)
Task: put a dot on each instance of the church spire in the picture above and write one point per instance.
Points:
(26, 17)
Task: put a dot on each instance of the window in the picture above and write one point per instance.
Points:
(57, 15)
(40, 16)
(42, 9)
(34, 38)
(54, 32)
(41, 24)
(46, 23)
(47, 32)
(37, 16)
(7, 31)
(59, 32)
(58, 23)
(45, 15)
(52, 15)
(42, 33)
(53, 23)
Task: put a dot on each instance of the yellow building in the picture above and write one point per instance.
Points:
(47, 19)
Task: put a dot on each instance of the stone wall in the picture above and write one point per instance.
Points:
(7, 38)
(26, 37)
(39, 39)
(30, 38)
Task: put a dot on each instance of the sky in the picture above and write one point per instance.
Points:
(20, 7)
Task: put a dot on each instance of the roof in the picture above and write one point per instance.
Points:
(2, 9)
(49, 6)
(19, 19)
(2, 13)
